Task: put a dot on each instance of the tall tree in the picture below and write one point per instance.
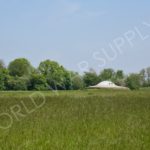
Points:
(20, 67)
(76, 81)
(90, 78)
(119, 78)
(133, 81)
(38, 82)
(3, 75)
(119, 74)
(55, 74)
(107, 74)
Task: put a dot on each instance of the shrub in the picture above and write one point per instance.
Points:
(17, 83)
(38, 82)
(133, 81)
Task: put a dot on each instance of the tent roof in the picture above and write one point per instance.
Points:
(108, 84)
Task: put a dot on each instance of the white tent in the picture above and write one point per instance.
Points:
(108, 85)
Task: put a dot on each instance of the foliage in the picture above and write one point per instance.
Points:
(55, 74)
(107, 74)
(67, 80)
(119, 74)
(50, 75)
(77, 81)
(119, 78)
(90, 78)
(3, 78)
(20, 67)
(133, 81)
(38, 82)
(17, 83)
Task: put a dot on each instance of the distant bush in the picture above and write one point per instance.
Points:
(38, 82)
(90, 78)
(77, 81)
(17, 83)
(3, 77)
(133, 81)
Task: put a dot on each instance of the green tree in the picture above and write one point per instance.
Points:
(55, 74)
(20, 67)
(3, 75)
(17, 83)
(119, 78)
(90, 78)
(38, 82)
(107, 74)
(76, 81)
(119, 74)
(67, 80)
(133, 81)
(3, 78)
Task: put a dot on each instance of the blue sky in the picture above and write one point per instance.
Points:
(77, 34)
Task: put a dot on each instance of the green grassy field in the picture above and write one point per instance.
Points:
(75, 120)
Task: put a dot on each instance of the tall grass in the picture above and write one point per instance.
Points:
(78, 120)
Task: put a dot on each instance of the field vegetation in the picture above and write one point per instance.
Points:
(75, 120)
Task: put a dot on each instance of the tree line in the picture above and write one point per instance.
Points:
(50, 75)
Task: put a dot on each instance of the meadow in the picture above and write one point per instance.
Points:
(75, 120)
